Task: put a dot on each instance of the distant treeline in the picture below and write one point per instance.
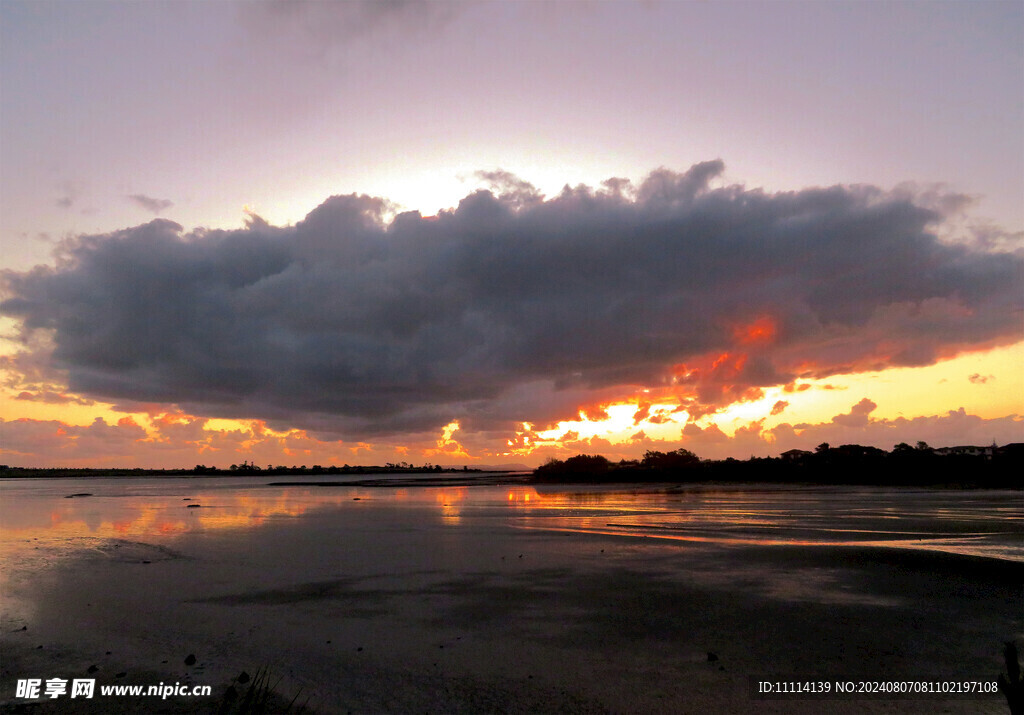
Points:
(905, 465)
(243, 469)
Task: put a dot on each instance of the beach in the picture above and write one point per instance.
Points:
(498, 596)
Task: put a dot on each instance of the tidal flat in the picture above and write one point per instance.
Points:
(489, 594)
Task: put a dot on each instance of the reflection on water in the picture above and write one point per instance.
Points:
(139, 517)
(980, 523)
(451, 501)
(985, 523)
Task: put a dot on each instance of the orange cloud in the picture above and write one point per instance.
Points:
(759, 332)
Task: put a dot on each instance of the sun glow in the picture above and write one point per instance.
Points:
(447, 445)
(988, 384)
(617, 423)
(618, 418)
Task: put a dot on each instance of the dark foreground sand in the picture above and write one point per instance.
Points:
(381, 610)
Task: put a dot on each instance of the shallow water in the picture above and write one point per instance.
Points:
(985, 523)
(362, 593)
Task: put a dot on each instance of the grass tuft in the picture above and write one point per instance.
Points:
(260, 697)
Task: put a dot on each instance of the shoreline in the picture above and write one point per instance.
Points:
(486, 478)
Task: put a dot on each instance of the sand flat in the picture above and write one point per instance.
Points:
(508, 598)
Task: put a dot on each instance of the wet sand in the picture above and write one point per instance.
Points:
(460, 600)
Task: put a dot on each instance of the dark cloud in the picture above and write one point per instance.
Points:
(152, 205)
(513, 307)
(53, 398)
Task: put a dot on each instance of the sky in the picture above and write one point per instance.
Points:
(498, 233)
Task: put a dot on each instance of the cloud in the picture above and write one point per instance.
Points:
(953, 428)
(956, 427)
(779, 407)
(176, 440)
(858, 414)
(326, 30)
(513, 307)
(979, 379)
(70, 192)
(150, 204)
(53, 398)
(29, 441)
(509, 188)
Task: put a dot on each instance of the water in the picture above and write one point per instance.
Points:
(986, 523)
(582, 597)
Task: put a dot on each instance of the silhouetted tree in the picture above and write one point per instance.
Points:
(678, 459)
(581, 465)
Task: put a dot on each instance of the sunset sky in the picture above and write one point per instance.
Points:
(494, 233)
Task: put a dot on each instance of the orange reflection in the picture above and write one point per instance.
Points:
(719, 515)
(733, 517)
(172, 515)
(451, 502)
